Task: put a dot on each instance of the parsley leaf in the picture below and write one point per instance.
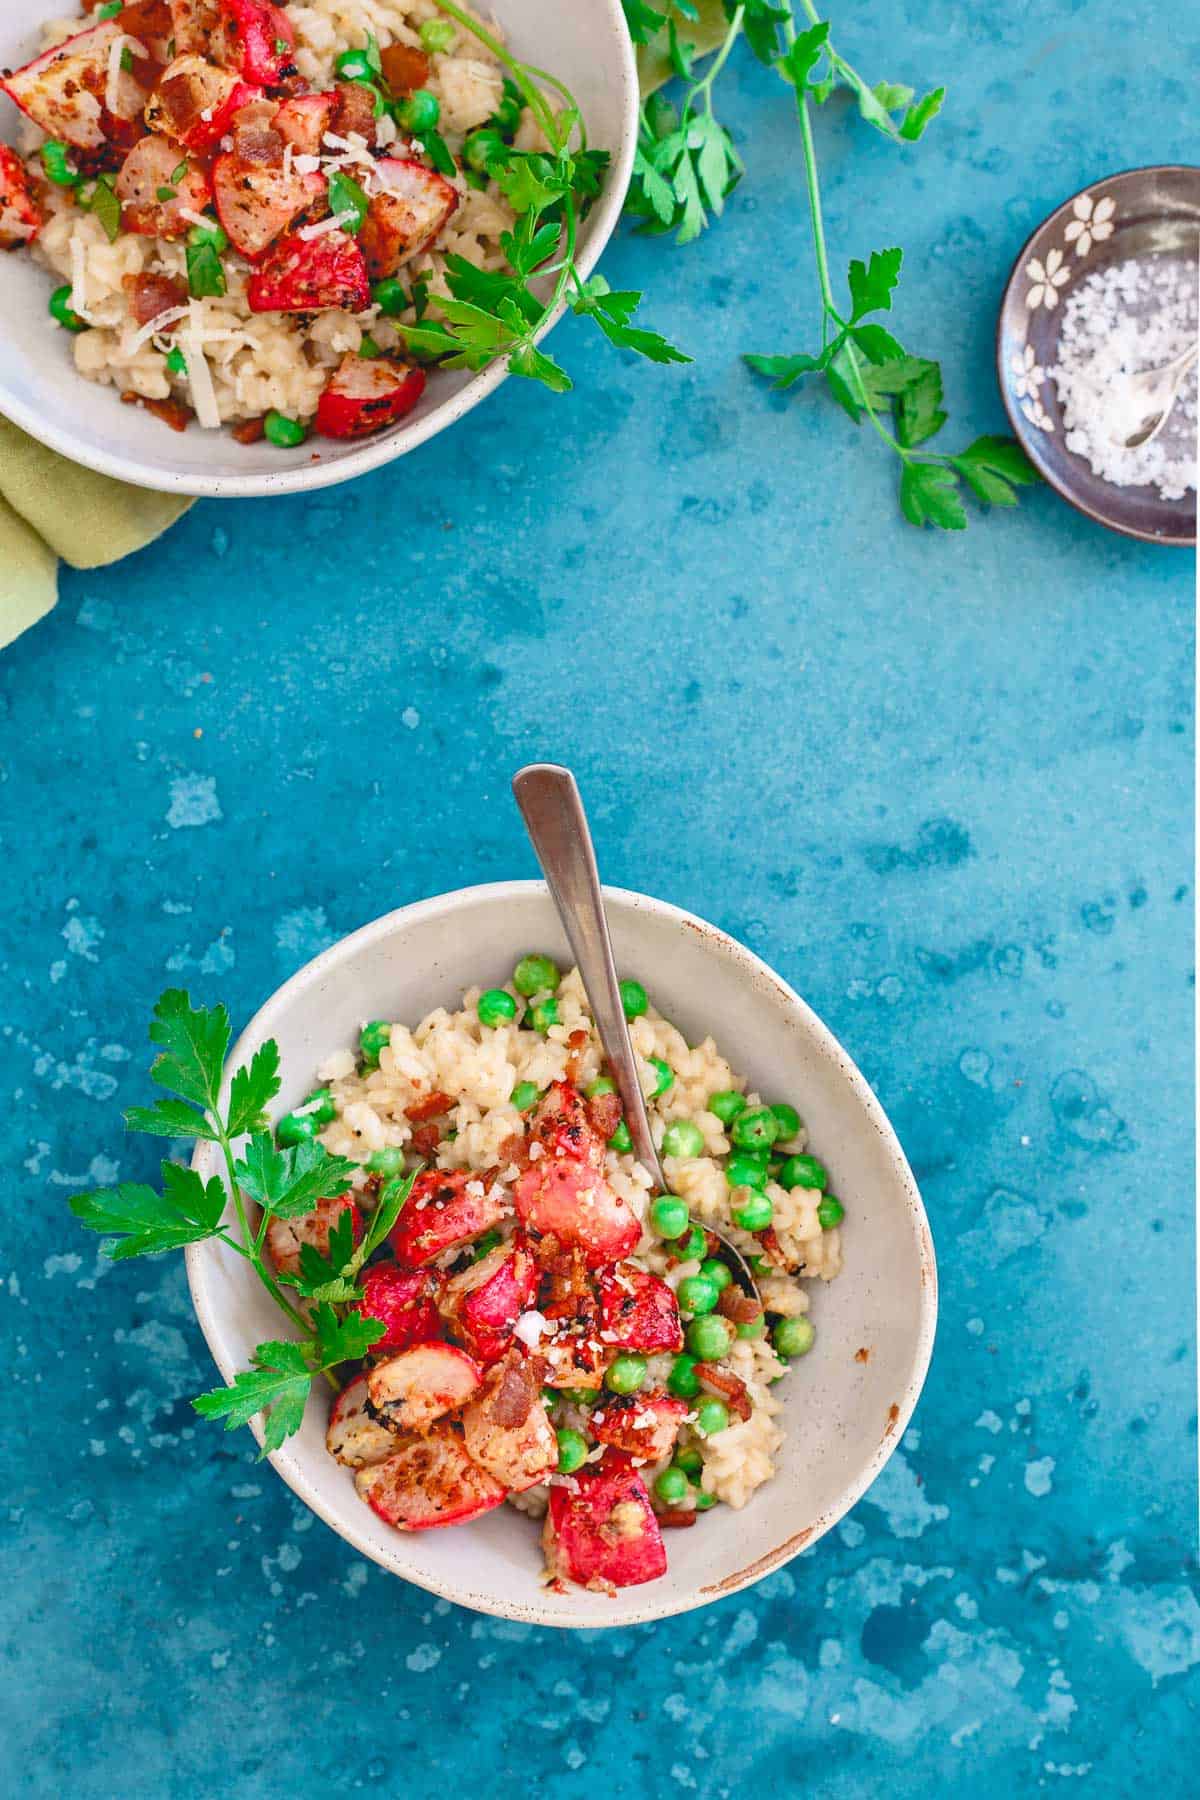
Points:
(101, 200)
(288, 1182)
(328, 1277)
(612, 313)
(929, 496)
(872, 284)
(145, 1223)
(782, 371)
(343, 1340)
(438, 152)
(392, 1199)
(346, 196)
(279, 1384)
(643, 22)
(991, 465)
(193, 1043)
(252, 1088)
(170, 1119)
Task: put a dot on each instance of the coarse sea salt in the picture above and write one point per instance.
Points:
(1125, 318)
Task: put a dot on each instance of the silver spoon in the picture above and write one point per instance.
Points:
(550, 804)
(1158, 389)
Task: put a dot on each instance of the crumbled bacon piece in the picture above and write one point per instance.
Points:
(738, 1308)
(249, 431)
(727, 1384)
(680, 1517)
(431, 1107)
(404, 68)
(150, 295)
(172, 412)
(604, 1114)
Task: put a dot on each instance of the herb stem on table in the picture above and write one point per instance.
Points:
(685, 169)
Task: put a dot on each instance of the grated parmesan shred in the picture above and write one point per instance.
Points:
(112, 80)
(200, 381)
(158, 323)
(322, 226)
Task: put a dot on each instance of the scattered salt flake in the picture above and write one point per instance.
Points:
(530, 1328)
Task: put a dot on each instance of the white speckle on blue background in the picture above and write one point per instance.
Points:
(193, 801)
(422, 1659)
(1037, 1476)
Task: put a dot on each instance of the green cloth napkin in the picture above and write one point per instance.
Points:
(51, 509)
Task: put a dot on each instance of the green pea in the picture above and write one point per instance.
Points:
(211, 236)
(572, 1450)
(544, 1015)
(296, 1128)
(371, 1040)
(535, 975)
(694, 1245)
(803, 1171)
(830, 1212)
(793, 1337)
(55, 161)
(788, 1117)
(601, 1085)
(755, 1129)
(672, 1487)
(633, 999)
(745, 1171)
(727, 1105)
(752, 1328)
(319, 1106)
(690, 1461)
(755, 1215)
(683, 1138)
(507, 115)
(484, 1245)
(368, 349)
(683, 1380)
(697, 1294)
(496, 1007)
(177, 362)
(709, 1338)
(625, 1374)
(418, 111)
(621, 1140)
(390, 295)
(550, 1397)
(704, 1501)
(666, 1076)
(669, 1216)
(478, 148)
(352, 65)
(717, 1272)
(579, 1396)
(388, 1161)
(524, 1095)
(60, 309)
(711, 1416)
(437, 36)
(283, 432)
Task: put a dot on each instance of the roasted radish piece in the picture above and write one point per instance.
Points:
(429, 1481)
(483, 1304)
(601, 1530)
(411, 1390)
(405, 216)
(258, 39)
(574, 1358)
(645, 1425)
(310, 275)
(638, 1311)
(364, 395)
(256, 202)
(153, 196)
(303, 121)
(67, 90)
(403, 1301)
(506, 1428)
(562, 1127)
(285, 1236)
(446, 1207)
(354, 1437)
(194, 102)
(20, 219)
(572, 1200)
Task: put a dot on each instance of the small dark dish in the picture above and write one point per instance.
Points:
(1143, 210)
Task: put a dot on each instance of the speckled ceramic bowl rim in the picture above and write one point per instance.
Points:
(632, 1606)
(1028, 439)
(374, 452)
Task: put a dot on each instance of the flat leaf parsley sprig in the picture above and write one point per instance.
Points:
(686, 167)
(139, 1220)
(489, 314)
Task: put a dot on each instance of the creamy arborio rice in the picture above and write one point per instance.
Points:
(478, 1067)
(262, 362)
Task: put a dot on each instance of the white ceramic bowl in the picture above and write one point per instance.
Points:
(844, 1413)
(586, 44)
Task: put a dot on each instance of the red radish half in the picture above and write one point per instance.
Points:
(194, 102)
(256, 202)
(65, 89)
(146, 174)
(403, 1301)
(506, 1428)
(638, 1311)
(310, 275)
(285, 1236)
(430, 1481)
(354, 1437)
(440, 1211)
(20, 219)
(406, 215)
(601, 1530)
(409, 1391)
(486, 1300)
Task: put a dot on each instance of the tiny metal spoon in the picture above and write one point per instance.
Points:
(550, 804)
(1159, 390)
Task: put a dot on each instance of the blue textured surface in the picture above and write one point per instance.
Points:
(944, 785)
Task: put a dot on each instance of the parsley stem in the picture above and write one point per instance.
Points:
(542, 111)
(705, 84)
(254, 1255)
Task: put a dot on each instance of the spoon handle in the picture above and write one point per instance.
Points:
(549, 801)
